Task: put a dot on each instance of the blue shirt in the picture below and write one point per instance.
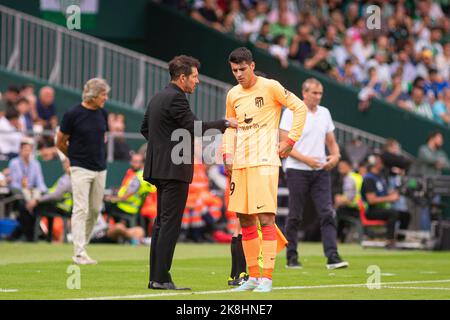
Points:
(33, 171)
(438, 109)
(87, 128)
(45, 113)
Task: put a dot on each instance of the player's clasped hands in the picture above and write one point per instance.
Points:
(284, 149)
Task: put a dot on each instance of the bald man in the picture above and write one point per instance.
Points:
(45, 108)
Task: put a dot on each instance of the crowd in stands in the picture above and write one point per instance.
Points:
(406, 62)
(23, 115)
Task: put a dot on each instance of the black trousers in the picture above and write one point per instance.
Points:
(317, 184)
(391, 217)
(172, 196)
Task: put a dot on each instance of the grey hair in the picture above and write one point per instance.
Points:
(94, 87)
(309, 82)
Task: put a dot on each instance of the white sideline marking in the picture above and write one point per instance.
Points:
(417, 288)
(382, 284)
(8, 290)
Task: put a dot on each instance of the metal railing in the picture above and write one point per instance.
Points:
(68, 58)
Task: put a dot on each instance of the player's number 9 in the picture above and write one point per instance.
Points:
(232, 185)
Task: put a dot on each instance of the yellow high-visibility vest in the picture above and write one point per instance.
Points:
(66, 203)
(132, 204)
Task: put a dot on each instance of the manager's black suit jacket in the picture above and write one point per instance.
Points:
(167, 111)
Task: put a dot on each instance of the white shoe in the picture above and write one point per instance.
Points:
(265, 285)
(248, 285)
(83, 260)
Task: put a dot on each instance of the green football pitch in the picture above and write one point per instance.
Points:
(43, 271)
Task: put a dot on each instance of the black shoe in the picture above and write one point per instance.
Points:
(164, 286)
(293, 263)
(236, 282)
(335, 262)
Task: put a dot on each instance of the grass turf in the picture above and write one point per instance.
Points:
(39, 271)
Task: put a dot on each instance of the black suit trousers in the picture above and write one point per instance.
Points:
(172, 197)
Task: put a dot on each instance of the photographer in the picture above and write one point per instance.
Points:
(376, 194)
(396, 167)
(432, 161)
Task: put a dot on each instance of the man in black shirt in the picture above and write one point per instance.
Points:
(379, 198)
(82, 138)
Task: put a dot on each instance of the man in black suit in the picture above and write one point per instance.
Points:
(167, 168)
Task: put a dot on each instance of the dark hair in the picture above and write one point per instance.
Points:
(22, 100)
(182, 65)
(11, 113)
(240, 55)
(433, 134)
(26, 86)
(418, 79)
(14, 88)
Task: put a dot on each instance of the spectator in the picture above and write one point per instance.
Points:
(330, 39)
(356, 151)
(284, 9)
(347, 51)
(46, 109)
(320, 61)
(283, 27)
(379, 62)
(27, 90)
(251, 25)
(234, 18)
(280, 50)
(8, 99)
(403, 64)
(426, 63)
(348, 74)
(210, 14)
(262, 10)
(337, 20)
(351, 14)
(396, 95)
(372, 88)
(443, 62)
(431, 157)
(441, 109)
(437, 84)
(418, 104)
(433, 43)
(27, 181)
(46, 149)
(302, 45)
(264, 38)
(25, 118)
(10, 135)
(116, 124)
(375, 192)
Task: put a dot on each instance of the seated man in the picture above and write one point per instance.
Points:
(27, 181)
(57, 200)
(132, 192)
(116, 233)
(375, 193)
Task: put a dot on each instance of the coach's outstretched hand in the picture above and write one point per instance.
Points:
(232, 122)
